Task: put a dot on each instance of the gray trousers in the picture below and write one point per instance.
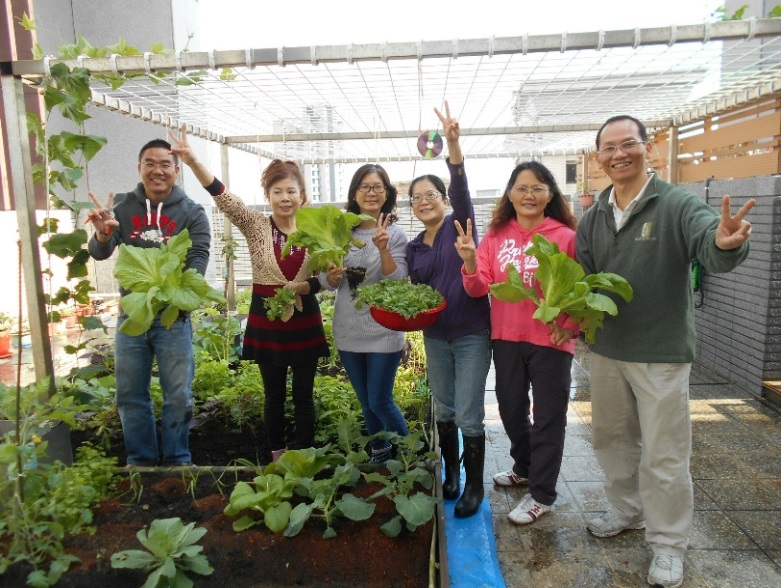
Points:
(642, 438)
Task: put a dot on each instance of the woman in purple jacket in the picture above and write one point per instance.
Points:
(458, 345)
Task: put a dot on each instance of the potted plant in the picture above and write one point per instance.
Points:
(587, 196)
(5, 335)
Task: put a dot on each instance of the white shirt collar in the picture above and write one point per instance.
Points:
(621, 215)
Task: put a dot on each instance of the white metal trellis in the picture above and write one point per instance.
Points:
(369, 94)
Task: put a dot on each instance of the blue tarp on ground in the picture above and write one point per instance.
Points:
(471, 547)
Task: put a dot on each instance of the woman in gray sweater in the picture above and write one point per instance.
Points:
(369, 352)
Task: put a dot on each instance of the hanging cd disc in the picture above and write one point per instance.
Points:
(430, 144)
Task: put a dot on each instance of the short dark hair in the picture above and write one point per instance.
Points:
(557, 208)
(390, 190)
(155, 144)
(612, 119)
(436, 180)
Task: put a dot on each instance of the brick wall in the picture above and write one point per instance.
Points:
(739, 322)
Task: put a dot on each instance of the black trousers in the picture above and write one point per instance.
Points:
(275, 384)
(536, 446)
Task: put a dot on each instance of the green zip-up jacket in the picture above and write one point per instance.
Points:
(653, 251)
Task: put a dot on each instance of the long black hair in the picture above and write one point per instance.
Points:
(557, 207)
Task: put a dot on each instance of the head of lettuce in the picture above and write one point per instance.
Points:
(156, 282)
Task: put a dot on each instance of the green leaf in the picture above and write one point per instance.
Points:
(277, 517)
(197, 564)
(417, 509)
(133, 559)
(227, 74)
(354, 508)
(26, 22)
(64, 245)
(89, 145)
(512, 290)
(245, 522)
(298, 517)
(90, 323)
(122, 48)
(326, 232)
(393, 527)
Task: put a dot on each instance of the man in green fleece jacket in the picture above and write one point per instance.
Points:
(648, 231)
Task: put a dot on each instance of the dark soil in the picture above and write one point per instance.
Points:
(355, 276)
(212, 442)
(359, 556)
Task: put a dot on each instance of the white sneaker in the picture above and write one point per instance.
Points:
(527, 511)
(609, 525)
(666, 571)
(509, 478)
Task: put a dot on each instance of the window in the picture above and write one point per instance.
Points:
(572, 173)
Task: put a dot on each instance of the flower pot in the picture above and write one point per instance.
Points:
(5, 345)
(396, 322)
(586, 199)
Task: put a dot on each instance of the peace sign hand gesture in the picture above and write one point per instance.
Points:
(465, 246)
(733, 231)
(450, 127)
(180, 147)
(102, 218)
(452, 131)
(381, 237)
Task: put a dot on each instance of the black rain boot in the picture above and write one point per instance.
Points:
(448, 445)
(474, 456)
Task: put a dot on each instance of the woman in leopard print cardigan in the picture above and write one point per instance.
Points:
(298, 342)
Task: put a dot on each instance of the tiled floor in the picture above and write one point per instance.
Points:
(736, 466)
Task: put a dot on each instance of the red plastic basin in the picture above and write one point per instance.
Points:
(396, 322)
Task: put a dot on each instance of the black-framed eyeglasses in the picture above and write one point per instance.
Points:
(428, 196)
(626, 146)
(164, 165)
(365, 188)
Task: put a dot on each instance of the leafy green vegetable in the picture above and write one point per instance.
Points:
(399, 296)
(171, 552)
(565, 289)
(326, 232)
(158, 282)
(281, 305)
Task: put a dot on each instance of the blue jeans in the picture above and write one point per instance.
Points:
(457, 371)
(133, 369)
(372, 376)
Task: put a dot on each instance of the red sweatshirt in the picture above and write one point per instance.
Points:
(513, 321)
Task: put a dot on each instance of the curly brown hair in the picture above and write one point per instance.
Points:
(279, 170)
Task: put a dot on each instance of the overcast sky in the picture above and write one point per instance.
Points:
(233, 24)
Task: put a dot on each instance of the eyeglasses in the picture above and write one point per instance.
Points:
(164, 165)
(365, 188)
(428, 196)
(626, 146)
(536, 191)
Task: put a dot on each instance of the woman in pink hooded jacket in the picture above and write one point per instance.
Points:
(527, 353)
